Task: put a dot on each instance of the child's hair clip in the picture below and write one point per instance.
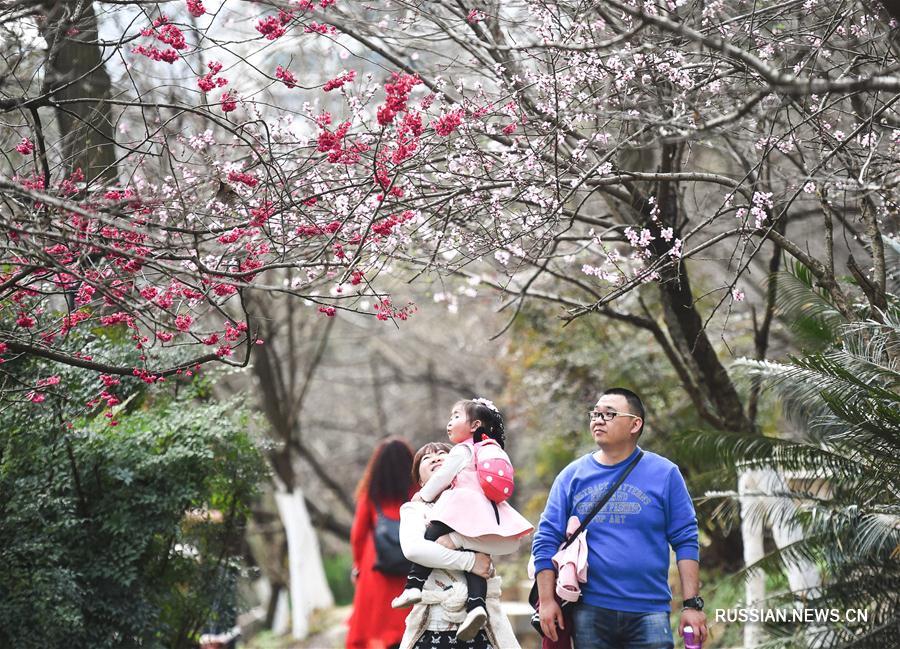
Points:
(486, 402)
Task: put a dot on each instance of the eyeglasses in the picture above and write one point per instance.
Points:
(609, 415)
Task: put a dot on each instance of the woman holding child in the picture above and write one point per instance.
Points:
(456, 604)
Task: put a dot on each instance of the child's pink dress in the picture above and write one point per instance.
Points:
(463, 506)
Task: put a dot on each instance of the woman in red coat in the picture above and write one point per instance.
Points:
(386, 482)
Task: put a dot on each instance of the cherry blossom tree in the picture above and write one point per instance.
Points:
(601, 145)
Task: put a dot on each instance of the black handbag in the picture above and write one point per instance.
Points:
(389, 557)
(533, 595)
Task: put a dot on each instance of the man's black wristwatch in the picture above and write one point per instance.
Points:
(695, 603)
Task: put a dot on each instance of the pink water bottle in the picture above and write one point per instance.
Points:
(690, 640)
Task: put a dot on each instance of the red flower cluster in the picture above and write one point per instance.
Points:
(229, 102)
(407, 137)
(446, 124)
(316, 28)
(244, 178)
(385, 227)
(385, 310)
(117, 318)
(84, 295)
(259, 215)
(166, 33)
(109, 380)
(273, 27)
(167, 55)
(116, 195)
(233, 333)
(34, 181)
(337, 82)
(233, 236)
(146, 377)
(305, 5)
(25, 146)
(397, 92)
(286, 76)
(196, 8)
(208, 81)
(69, 322)
(69, 186)
(247, 266)
(333, 145)
(183, 322)
(316, 230)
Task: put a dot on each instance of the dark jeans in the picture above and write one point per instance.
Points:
(602, 628)
(477, 586)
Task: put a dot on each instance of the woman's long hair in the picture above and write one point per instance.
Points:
(387, 476)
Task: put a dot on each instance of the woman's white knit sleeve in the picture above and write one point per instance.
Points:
(428, 553)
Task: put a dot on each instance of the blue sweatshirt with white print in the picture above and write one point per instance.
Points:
(628, 540)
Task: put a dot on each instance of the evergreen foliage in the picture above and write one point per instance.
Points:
(106, 538)
(842, 469)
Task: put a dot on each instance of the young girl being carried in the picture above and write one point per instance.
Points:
(462, 506)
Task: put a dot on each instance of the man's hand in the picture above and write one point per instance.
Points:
(447, 542)
(549, 611)
(697, 621)
(483, 566)
(551, 617)
(689, 572)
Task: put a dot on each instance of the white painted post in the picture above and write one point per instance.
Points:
(752, 536)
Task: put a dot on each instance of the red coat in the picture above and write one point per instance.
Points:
(373, 623)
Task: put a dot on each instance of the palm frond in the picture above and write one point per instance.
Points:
(812, 318)
(892, 264)
(837, 487)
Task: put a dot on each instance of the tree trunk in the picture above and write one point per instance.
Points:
(309, 587)
(683, 321)
(74, 70)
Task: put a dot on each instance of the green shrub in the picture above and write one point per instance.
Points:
(95, 546)
(337, 572)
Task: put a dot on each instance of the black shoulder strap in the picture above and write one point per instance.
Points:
(597, 507)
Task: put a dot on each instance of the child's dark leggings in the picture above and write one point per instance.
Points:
(476, 585)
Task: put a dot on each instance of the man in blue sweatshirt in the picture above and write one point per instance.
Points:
(626, 601)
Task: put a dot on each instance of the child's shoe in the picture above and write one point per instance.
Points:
(408, 597)
(472, 624)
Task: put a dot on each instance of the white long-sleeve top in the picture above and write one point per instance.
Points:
(448, 566)
(455, 461)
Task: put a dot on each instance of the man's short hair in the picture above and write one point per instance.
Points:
(635, 405)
